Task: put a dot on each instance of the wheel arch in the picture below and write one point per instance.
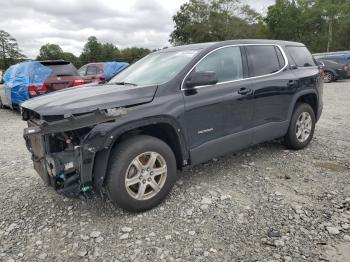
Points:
(307, 96)
(163, 128)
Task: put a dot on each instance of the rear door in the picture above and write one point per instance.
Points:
(274, 86)
(217, 116)
(91, 73)
(94, 73)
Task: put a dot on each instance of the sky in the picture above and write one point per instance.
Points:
(126, 23)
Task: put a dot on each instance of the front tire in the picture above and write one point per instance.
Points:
(142, 172)
(301, 128)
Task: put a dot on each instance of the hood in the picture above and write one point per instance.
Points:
(79, 100)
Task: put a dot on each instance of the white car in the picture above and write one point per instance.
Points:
(3, 99)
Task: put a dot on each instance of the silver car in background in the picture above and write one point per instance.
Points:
(3, 99)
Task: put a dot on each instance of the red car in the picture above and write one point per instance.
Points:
(64, 74)
(92, 72)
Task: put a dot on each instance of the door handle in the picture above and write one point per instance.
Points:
(245, 91)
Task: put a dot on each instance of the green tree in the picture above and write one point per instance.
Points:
(92, 51)
(323, 25)
(284, 20)
(55, 52)
(9, 50)
(334, 12)
(133, 54)
(50, 52)
(67, 56)
(109, 52)
(216, 20)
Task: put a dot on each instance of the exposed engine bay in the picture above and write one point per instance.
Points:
(60, 152)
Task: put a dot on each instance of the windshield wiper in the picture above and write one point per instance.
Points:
(125, 83)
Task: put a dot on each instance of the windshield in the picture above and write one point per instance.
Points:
(156, 68)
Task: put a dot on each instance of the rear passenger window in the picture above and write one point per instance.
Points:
(225, 62)
(301, 56)
(91, 70)
(264, 60)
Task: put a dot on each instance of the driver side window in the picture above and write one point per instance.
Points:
(225, 62)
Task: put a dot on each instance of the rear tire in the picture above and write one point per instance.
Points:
(301, 127)
(328, 77)
(141, 174)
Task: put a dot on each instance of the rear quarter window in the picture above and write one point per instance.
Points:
(301, 56)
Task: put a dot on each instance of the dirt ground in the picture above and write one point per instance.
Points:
(265, 203)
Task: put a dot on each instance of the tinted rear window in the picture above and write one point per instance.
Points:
(63, 70)
(264, 60)
(301, 56)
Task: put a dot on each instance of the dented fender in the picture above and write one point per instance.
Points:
(103, 137)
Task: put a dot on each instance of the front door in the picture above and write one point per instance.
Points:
(218, 116)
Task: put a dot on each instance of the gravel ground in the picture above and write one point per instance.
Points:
(265, 203)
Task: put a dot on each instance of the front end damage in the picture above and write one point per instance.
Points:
(63, 148)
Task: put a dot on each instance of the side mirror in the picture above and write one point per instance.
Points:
(201, 79)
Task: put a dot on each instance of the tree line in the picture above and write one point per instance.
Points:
(323, 25)
(93, 51)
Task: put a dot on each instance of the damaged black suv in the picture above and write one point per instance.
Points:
(176, 107)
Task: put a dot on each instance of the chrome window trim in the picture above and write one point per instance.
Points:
(243, 79)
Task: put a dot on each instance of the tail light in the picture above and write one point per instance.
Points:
(37, 90)
(32, 90)
(321, 72)
(43, 89)
(78, 82)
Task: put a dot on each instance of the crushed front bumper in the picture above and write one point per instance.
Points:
(60, 170)
(68, 170)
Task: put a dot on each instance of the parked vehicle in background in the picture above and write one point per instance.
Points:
(176, 107)
(92, 72)
(344, 59)
(29, 79)
(97, 72)
(337, 54)
(3, 99)
(64, 74)
(333, 71)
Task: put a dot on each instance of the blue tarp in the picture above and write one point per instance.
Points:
(113, 68)
(18, 77)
